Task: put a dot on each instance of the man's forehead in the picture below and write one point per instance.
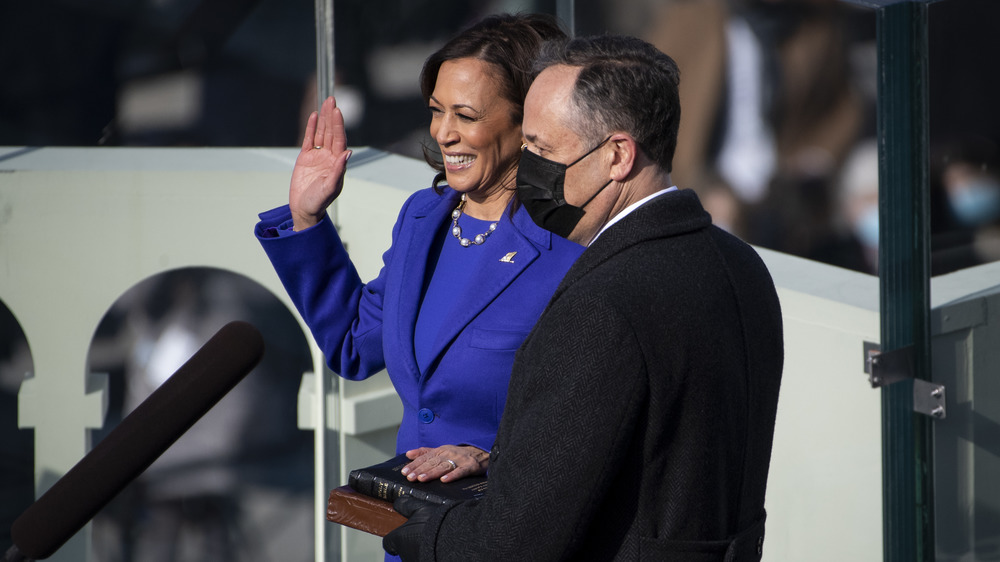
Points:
(547, 104)
(554, 85)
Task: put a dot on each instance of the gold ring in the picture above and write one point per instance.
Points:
(317, 147)
(452, 463)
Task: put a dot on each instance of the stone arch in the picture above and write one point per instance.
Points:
(17, 451)
(211, 481)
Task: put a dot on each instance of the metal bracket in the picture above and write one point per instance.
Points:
(928, 399)
(893, 366)
(886, 368)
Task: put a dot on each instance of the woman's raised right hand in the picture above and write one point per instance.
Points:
(318, 175)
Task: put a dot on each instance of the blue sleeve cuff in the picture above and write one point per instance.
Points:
(276, 223)
(282, 230)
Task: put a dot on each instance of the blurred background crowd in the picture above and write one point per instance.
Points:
(778, 137)
(778, 131)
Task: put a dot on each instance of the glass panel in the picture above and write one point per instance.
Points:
(967, 441)
(965, 134)
(965, 235)
(192, 73)
(166, 73)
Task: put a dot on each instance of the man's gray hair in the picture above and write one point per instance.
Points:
(625, 84)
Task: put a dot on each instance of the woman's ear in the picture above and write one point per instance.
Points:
(624, 153)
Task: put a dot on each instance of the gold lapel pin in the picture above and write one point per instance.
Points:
(509, 258)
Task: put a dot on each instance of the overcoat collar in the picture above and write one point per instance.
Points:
(671, 214)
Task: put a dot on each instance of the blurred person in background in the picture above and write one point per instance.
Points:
(965, 191)
(857, 200)
(842, 227)
(776, 95)
(770, 86)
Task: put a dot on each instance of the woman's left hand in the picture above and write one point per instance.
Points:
(447, 462)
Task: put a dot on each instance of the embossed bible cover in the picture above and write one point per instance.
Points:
(365, 513)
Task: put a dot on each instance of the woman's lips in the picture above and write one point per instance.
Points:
(458, 161)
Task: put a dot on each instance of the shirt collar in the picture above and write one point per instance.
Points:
(631, 208)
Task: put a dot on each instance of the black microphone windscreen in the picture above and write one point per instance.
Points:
(138, 440)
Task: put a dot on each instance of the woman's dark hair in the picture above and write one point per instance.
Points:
(509, 42)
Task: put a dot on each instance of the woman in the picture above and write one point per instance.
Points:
(468, 272)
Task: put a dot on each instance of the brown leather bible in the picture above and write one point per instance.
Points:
(365, 513)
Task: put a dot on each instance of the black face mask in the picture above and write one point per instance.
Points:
(540, 190)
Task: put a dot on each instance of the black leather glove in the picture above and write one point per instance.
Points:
(404, 541)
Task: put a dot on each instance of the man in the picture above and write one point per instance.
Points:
(641, 407)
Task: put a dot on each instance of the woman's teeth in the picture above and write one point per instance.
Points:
(461, 160)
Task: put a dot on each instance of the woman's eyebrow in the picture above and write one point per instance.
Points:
(456, 105)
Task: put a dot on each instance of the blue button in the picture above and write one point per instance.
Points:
(425, 415)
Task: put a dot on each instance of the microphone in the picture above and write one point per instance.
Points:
(136, 442)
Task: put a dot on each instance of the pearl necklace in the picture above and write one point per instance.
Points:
(456, 230)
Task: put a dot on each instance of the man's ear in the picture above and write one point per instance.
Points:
(625, 153)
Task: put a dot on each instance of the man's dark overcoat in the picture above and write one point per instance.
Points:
(641, 407)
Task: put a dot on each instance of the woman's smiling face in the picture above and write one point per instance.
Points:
(474, 127)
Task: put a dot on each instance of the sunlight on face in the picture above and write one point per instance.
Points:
(474, 128)
(547, 114)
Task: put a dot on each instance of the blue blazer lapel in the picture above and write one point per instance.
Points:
(506, 253)
(415, 243)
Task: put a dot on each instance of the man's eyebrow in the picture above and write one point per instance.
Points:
(533, 139)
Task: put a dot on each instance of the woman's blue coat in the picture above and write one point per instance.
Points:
(363, 328)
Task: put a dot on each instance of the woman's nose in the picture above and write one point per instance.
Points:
(446, 133)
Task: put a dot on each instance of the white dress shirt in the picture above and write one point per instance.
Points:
(631, 208)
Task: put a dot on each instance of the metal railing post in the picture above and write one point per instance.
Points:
(904, 276)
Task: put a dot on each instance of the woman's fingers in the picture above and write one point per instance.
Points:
(331, 134)
(307, 138)
(325, 129)
(321, 127)
(337, 136)
(448, 462)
